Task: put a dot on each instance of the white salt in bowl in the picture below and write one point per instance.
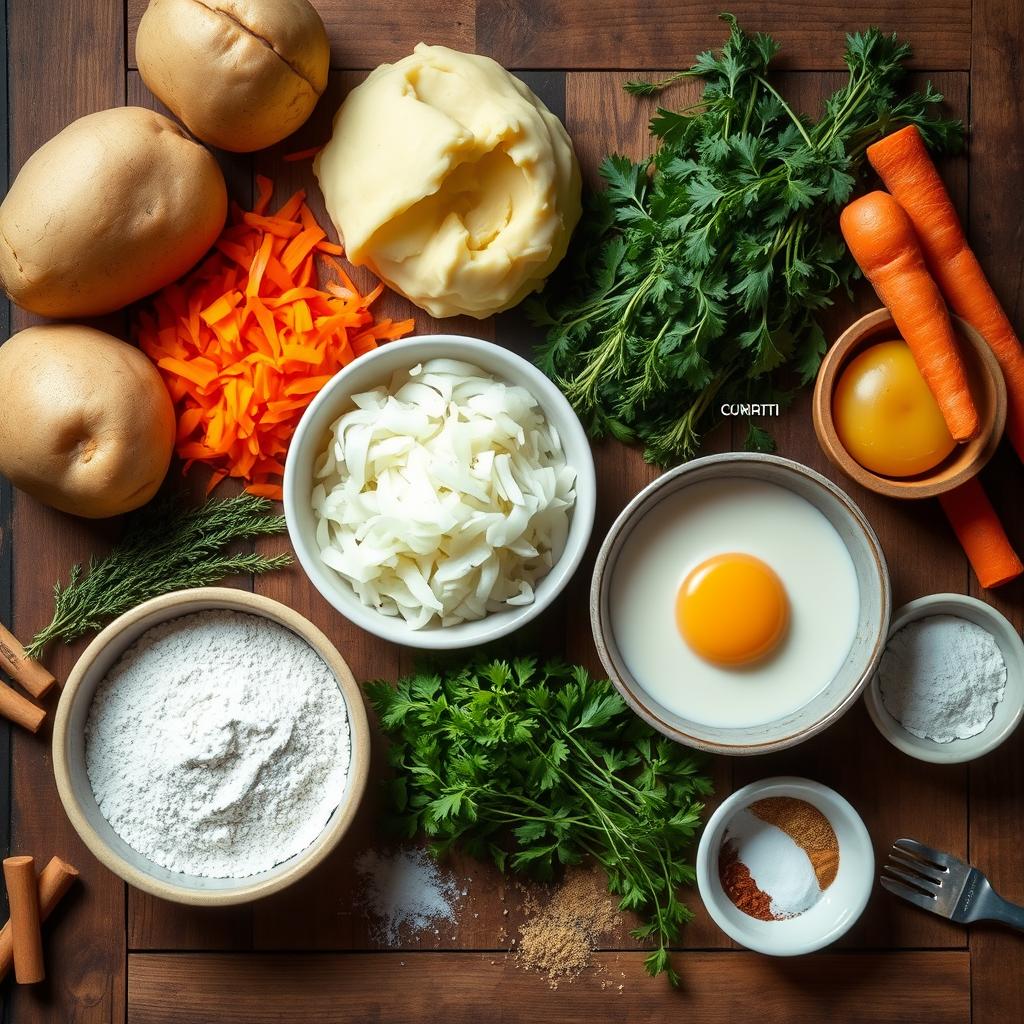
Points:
(839, 906)
(75, 789)
(1008, 711)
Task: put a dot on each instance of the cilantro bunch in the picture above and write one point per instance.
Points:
(697, 276)
(536, 767)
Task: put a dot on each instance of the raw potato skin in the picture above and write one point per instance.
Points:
(117, 205)
(86, 424)
(240, 74)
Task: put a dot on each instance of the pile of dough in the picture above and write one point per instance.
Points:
(450, 180)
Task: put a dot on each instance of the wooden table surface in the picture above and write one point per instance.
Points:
(308, 956)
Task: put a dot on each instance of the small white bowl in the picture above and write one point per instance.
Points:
(1008, 711)
(840, 904)
(370, 371)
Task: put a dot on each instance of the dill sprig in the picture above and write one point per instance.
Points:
(165, 547)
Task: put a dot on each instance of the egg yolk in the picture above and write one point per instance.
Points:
(732, 609)
(886, 417)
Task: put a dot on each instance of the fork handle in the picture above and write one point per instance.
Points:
(992, 907)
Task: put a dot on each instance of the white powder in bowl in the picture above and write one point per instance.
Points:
(218, 744)
(941, 678)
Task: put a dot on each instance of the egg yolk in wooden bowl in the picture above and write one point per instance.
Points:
(732, 609)
(886, 417)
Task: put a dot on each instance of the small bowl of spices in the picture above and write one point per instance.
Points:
(785, 866)
(211, 746)
(950, 683)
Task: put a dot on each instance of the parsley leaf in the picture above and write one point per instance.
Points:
(695, 278)
(540, 766)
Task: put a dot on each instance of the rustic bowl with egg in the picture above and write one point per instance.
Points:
(964, 462)
(838, 907)
(75, 788)
(758, 509)
(375, 369)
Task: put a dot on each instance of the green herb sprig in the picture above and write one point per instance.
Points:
(166, 546)
(698, 276)
(536, 767)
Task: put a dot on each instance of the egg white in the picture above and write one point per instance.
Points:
(760, 519)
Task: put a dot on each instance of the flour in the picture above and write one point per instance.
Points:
(218, 745)
(942, 677)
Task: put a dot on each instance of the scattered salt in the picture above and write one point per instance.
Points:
(406, 891)
(779, 867)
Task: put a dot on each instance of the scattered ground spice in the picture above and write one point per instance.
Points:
(808, 828)
(740, 887)
(563, 926)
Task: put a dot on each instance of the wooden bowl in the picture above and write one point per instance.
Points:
(965, 461)
(76, 791)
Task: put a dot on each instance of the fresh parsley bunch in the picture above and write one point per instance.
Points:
(698, 275)
(536, 767)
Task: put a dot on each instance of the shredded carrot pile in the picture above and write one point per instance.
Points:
(247, 339)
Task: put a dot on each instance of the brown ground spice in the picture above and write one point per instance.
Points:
(740, 887)
(562, 929)
(808, 828)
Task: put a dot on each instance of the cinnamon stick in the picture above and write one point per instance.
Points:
(20, 710)
(26, 671)
(27, 939)
(54, 881)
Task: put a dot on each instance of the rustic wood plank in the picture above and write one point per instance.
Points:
(609, 34)
(997, 234)
(6, 522)
(601, 118)
(718, 988)
(365, 34)
(895, 794)
(85, 41)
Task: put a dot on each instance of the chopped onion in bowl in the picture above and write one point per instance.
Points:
(444, 496)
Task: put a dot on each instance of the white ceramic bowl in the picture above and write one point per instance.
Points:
(873, 617)
(840, 904)
(375, 368)
(1008, 711)
(73, 780)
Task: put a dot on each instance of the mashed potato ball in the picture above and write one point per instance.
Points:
(450, 179)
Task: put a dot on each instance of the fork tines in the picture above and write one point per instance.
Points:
(916, 873)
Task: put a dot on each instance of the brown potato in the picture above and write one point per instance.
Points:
(241, 74)
(86, 424)
(115, 206)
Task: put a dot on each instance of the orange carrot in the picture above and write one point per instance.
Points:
(981, 534)
(882, 241)
(903, 163)
(247, 339)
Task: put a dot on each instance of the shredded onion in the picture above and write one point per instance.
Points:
(444, 496)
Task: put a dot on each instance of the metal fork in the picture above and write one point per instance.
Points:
(945, 885)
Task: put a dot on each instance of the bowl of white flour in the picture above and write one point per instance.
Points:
(211, 746)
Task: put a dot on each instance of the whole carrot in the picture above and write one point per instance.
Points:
(881, 238)
(903, 163)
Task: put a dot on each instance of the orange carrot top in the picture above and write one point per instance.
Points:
(903, 163)
(882, 241)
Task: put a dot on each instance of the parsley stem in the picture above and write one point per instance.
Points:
(788, 109)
